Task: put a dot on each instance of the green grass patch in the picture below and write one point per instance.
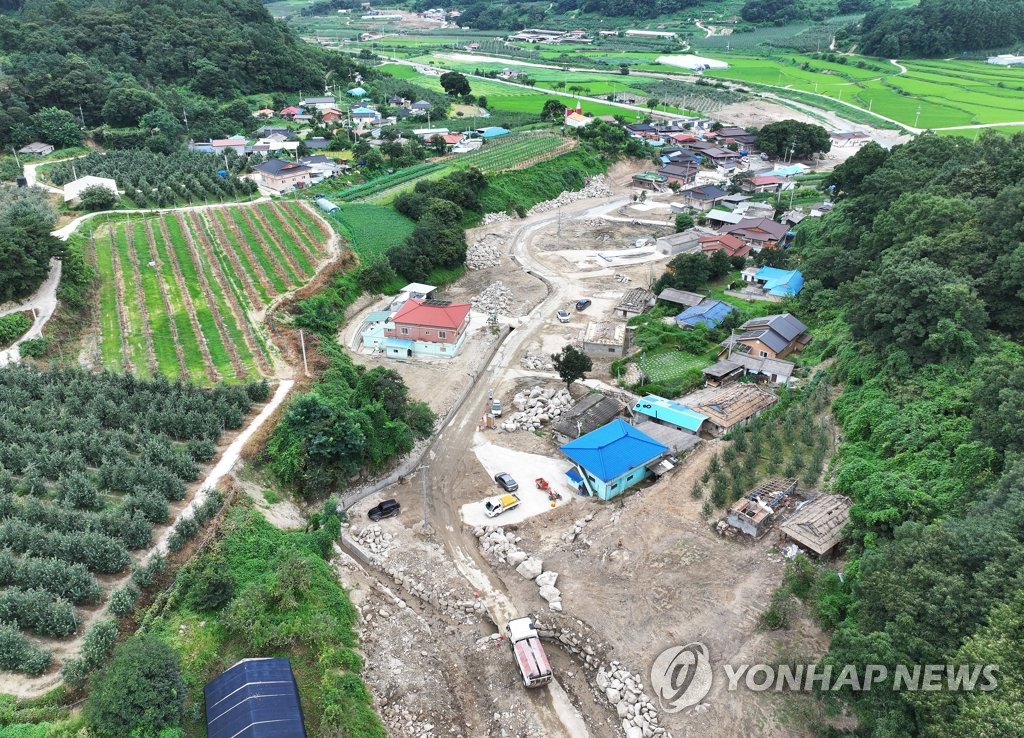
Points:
(520, 190)
(371, 229)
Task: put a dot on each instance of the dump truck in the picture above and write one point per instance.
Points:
(494, 506)
(528, 651)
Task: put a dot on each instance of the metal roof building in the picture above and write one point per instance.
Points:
(711, 313)
(670, 413)
(613, 458)
(255, 698)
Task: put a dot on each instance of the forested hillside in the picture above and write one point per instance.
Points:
(920, 272)
(120, 62)
(942, 28)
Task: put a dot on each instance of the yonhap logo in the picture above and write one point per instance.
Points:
(681, 676)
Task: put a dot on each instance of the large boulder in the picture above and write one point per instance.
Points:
(531, 568)
(547, 579)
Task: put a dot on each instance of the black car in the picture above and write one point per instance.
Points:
(583, 304)
(386, 509)
(506, 481)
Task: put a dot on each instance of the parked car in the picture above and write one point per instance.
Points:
(386, 509)
(496, 408)
(494, 506)
(563, 316)
(583, 304)
(506, 482)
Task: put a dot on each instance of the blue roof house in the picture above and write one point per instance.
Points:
(612, 458)
(710, 312)
(780, 282)
(255, 698)
(668, 412)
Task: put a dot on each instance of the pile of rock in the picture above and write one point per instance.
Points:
(536, 363)
(625, 692)
(595, 187)
(374, 540)
(577, 528)
(501, 217)
(405, 722)
(503, 547)
(536, 408)
(485, 252)
(496, 299)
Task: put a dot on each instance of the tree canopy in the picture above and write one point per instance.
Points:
(571, 364)
(26, 245)
(802, 139)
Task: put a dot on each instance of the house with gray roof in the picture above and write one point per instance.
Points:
(769, 337)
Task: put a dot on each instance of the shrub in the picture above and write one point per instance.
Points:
(19, 654)
(211, 585)
(123, 599)
(13, 327)
(141, 690)
(145, 575)
(779, 611)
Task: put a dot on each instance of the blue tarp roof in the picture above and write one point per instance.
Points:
(671, 412)
(364, 111)
(357, 92)
(255, 698)
(378, 315)
(780, 282)
(613, 449)
(494, 131)
(710, 313)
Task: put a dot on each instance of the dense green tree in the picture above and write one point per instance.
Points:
(783, 137)
(684, 221)
(96, 198)
(553, 110)
(455, 84)
(139, 693)
(57, 127)
(125, 106)
(571, 364)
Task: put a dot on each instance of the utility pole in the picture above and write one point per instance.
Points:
(81, 115)
(16, 159)
(302, 342)
(422, 469)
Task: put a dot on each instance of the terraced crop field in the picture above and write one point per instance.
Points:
(181, 294)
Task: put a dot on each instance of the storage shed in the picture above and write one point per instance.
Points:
(255, 698)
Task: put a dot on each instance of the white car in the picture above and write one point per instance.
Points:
(563, 316)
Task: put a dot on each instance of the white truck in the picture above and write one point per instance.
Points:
(494, 506)
(529, 653)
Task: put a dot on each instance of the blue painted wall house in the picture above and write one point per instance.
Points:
(612, 458)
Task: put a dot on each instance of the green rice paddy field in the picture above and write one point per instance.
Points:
(178, 291)
(947, 93)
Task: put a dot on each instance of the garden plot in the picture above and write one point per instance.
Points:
(181, 294)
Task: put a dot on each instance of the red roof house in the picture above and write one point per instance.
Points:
(290, 111)
(731, 245)
(426, 328)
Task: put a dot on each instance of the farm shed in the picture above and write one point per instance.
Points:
(255, 698)
(73, 190)
(634, 302)
(773, 371)
(723, 372)
(36, 148)
(587, 415)
(680, 297)
(817, 524)
(678, 243)
(754, 513)
(606, 339)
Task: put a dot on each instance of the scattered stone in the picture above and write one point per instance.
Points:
(595, 186)
(486, 252)
(501, 217)
(530, 568)
(496, 299)
(547, 579)
(536, 409)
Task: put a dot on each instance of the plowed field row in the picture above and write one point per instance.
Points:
(182, 294)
